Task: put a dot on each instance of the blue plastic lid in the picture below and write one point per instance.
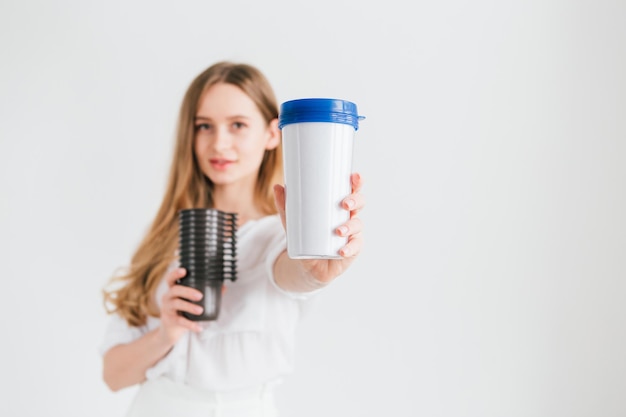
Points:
(319, 110)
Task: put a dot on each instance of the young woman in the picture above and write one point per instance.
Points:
(228, 157)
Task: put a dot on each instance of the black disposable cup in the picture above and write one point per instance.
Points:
(198, 265)
(210, 248)
(199, 257)
(203, 247)
(208, 272)
(195, 228)
(211, 300)
(195, 224)
(204, 239)
(198, 242)
(195, 262)
(210, 220)
(214, 220)
(204, 212)
(205, 235)
(213, 223)
(207, 249)
(216, 235)
(202, 256)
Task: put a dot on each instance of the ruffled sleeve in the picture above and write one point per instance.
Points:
(118, 331)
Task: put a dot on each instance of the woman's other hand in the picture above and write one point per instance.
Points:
(325, 270)
(174, 301)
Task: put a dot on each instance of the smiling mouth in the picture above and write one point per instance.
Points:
(220, 162)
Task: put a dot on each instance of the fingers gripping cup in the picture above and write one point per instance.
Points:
(207, 246)
(317, 137)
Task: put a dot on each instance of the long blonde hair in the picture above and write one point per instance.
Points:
(131, 294)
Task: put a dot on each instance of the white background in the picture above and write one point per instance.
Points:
(493, 153)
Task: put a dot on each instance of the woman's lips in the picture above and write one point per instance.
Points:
(220, 164)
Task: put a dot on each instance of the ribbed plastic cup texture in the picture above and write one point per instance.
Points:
(208, 251)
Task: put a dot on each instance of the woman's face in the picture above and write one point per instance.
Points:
(231, 136)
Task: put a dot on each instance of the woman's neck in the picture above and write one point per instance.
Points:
(234, 200)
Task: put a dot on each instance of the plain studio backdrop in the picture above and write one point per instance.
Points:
(493, 153)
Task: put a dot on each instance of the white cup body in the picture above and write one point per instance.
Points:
(317, 159)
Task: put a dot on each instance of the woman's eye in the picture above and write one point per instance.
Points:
(238, 125)
(203, 126)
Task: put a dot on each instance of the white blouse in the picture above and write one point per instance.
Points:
(252, 341)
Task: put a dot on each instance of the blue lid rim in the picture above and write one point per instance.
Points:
(319, 110)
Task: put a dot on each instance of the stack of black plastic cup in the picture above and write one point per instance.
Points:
(207, 246)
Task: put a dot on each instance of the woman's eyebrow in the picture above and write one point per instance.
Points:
(234, 117)
(238, 116)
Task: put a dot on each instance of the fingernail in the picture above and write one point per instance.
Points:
(343, 230)
(350, 203)
(345, 251)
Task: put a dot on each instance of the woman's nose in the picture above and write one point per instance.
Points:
(222, 139)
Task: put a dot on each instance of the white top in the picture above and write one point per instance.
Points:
(252, 341)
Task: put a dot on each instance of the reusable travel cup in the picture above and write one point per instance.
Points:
(207, 248)
(318, 138)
